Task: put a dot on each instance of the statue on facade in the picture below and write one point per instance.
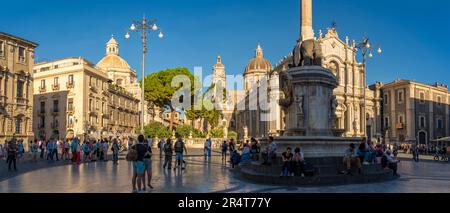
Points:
(299, 105)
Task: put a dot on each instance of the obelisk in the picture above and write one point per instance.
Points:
(306, 20)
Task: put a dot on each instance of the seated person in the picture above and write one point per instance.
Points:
(287, 160)
(298, 163)
(388, 162)
(235, 158)
(350, 158)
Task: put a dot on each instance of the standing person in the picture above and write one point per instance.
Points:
(100, 150)
(287, 161)
(255, 149)
(415, 153)
(67, 149)
(105, 150)
(148, 166)
(224, 151)
(149, 141)
(63, 150)
(235, 158)
(207, 148)
(49, 150)
(179, 148)
(78, 151)
(42, 147)
(130, 143)
(12, 154)
(161, 147)
(55, 149)
(21, 150)
(232, 145)
(139, 151)
(33, 150)
(168, 154)
(86, 152)
(115, 149)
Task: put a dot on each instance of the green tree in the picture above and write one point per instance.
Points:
(217, 132)
(155, 129)
(233, 134)
(159, 90)
(184, 130)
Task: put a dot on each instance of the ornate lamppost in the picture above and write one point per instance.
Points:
(366, 51)
(144, 26)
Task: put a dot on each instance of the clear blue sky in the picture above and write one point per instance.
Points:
(413, 35)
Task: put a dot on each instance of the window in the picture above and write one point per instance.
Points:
(386, 122)
(119, 82)
(386, 99)
(70, 104)
(422, 97)
(22, 54)
(97, 105)
(90, 105)
(56, 81)
(55, 106)
(90, 81)
(42, 106)
(400, 119)
(19, 88)
(42, 124)
(439, 124)
(439, 100)
(2, 48)
(18, 125)
(42, 83)
(422, 121)
(103, 107)
(400, 96)
(70, 79)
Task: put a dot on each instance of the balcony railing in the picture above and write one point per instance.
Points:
(55, 87)
(70, 85)
(70, 110)
(400, 126)
(42, 89)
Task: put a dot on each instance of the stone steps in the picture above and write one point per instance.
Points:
(316, 180)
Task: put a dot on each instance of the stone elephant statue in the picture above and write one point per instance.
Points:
(308, 53)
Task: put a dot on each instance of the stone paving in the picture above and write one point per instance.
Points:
(204, 177)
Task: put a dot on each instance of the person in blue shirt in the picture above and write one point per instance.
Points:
(207, 148)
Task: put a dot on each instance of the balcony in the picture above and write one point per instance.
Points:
(70, 85)
(41, 112)
(70, 110)
(93, 89)
(42, 89)
(93, 113)
(21, 101)
(400, 126)
(55, 87)
(55, 111)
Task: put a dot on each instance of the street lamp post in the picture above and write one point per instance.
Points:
(144, 26)
(366, 50)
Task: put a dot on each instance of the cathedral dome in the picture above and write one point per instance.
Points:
(258, 64)
(112, 60)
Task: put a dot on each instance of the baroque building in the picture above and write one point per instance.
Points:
(16, 87)
(415, 112)
(73, 98)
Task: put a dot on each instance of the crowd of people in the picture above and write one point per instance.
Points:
(368, 153)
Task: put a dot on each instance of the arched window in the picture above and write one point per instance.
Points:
(18, 125)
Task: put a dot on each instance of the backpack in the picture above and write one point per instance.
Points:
(224, 147)
(168, 148)
(132, 155)
(179, 147)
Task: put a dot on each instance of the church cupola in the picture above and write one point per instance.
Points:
(112, 47)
